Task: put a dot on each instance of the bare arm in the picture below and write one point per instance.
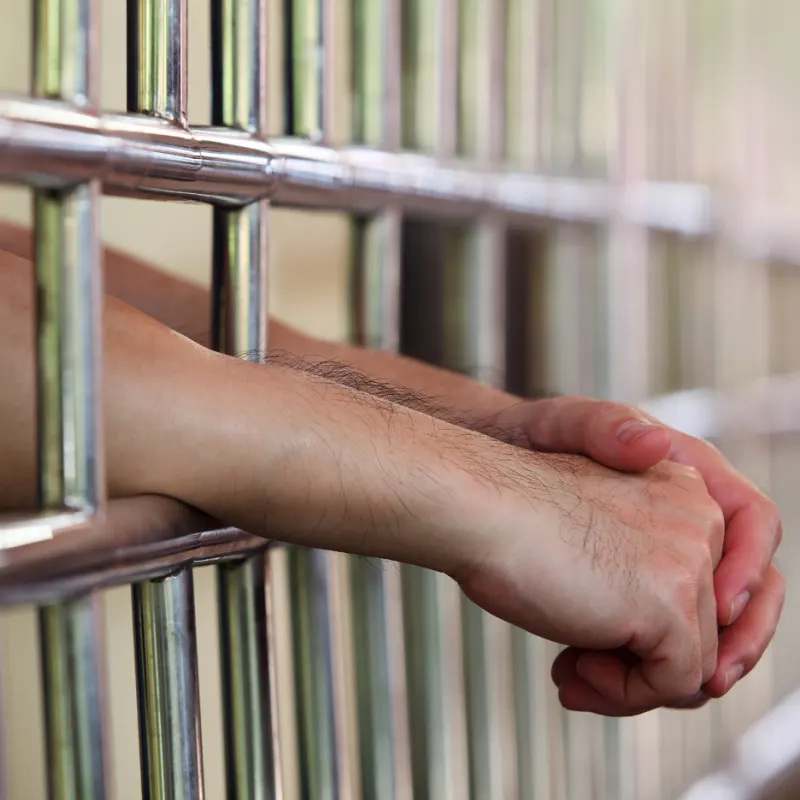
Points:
(748, 589)
(565, 548)
(186, 308)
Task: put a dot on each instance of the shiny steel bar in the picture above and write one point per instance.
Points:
(249, 760)
(311, 589)
(69, 425)
(67, 279)
(239, 325)
(51, 144)
(167, 688)
(73, 681)
(157, 57)
(67, 313)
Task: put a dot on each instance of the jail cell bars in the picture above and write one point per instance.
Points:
(510, 245)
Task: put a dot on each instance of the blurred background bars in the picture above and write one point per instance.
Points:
(167, 688)
(433, 617)
(645, 246)
(476, 344)
(239, 328)
(374, 322)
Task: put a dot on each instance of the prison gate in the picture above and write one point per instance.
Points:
(528, 206)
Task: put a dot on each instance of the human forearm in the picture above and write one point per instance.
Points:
(186, 308)
(277, 452)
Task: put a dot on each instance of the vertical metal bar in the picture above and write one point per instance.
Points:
(525, 65)
(70, 451)
(157, 58)
(73, 680)
(68, 279)
(309, 28)
(239, 328)
(167, 687)
(249, 760)
(310, 576)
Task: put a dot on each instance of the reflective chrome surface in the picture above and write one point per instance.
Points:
(157, 54)
(74, 699)
(68, 281)
(250, 769)
(167, 688)
(50, 143)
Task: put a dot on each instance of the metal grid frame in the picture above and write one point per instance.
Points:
(455, 169)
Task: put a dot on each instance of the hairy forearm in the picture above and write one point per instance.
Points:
(186, 308)
(295, 452)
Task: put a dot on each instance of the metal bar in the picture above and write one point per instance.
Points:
(245, 678)
(239, 328)
(67, 278)
(167, 688)
(309, 29)
(524, 88)
(67, 306)
(139, 156)
(73, 680)
(157, 58)
(311, 589)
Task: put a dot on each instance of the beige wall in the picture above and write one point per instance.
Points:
(307, 288)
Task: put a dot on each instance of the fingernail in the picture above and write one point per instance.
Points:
(732, 675)
(738, 605)
(634, 430)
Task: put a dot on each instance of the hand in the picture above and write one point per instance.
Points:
(749, 589)
(622, 564)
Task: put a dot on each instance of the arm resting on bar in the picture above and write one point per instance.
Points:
(554, 543)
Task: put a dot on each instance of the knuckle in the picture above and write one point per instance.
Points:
(695, 677)
(774, 522)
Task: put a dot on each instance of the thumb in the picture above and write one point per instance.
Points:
(613, 434)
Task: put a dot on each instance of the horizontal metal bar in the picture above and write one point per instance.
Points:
(138, 538)
(46, 143)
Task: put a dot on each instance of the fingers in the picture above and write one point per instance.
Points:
(742, 644)
(751, 539)
(664, 669)
(614, 435)
(753, 531)
(590, 681)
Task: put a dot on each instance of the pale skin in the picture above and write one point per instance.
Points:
(658, 576)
